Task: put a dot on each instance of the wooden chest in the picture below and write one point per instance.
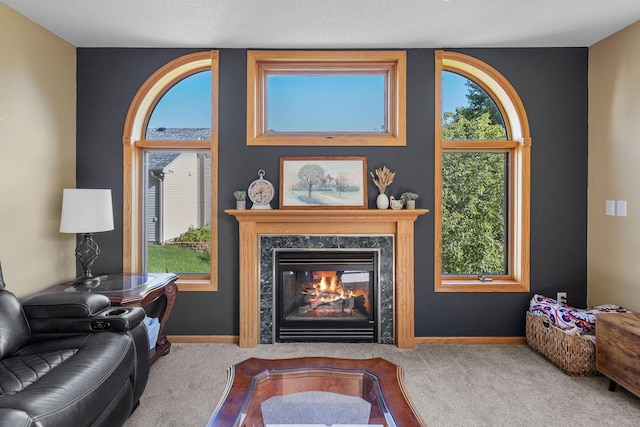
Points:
(618, 349)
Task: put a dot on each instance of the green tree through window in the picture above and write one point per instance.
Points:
(482, 179)
(473, 213)
(474, 189)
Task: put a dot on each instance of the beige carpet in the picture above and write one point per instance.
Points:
(467, 385)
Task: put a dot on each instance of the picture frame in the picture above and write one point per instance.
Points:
(323, 182)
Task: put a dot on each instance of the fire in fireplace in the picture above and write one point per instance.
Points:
(326, 295)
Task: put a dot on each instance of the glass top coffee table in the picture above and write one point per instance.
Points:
(315, 391)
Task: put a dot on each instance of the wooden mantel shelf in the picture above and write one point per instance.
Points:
(399, 223)
(312, 215)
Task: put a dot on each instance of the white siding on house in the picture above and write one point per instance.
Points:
(180, 198)
(204, 193)
(152, 211)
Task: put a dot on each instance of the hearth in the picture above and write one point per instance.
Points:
(326, 295)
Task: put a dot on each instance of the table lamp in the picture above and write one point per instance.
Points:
(86, 211)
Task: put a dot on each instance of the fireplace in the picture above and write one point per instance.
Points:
(263, 231)
(326, 295)
(381, 247)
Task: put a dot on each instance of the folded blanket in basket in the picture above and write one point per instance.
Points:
(569, 319)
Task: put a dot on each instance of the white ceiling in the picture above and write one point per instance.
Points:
(330, 23)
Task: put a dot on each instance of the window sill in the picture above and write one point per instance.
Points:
(474, 285)
(337, 139)
(191, 285)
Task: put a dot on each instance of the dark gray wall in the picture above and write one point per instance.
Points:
(552, 84)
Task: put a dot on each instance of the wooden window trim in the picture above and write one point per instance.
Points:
(519, 147)
(392, 63)
(133, 145)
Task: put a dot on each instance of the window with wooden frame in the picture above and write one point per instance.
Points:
(482, 179)
(170, 194)
(353, 98)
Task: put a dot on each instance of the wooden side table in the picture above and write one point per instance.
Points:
(155, 292)
(618, 349)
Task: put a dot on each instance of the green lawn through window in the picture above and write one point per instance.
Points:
(175, 259)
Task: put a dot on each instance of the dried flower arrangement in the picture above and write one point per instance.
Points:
(382, 178)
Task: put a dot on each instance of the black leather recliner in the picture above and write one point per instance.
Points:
(70, 359)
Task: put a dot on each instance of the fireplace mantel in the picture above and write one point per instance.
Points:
(399, 223)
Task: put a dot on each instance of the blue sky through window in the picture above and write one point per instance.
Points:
(316, 103)
(454, 91)
(186, 105)
(299, 103)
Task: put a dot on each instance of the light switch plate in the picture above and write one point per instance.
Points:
(610, 208)
(621, 207)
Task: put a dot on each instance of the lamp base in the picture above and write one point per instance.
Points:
(86, 253)
(86, 282)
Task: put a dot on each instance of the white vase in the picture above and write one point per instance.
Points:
(382, 201)
(411, 204)
(241, 205)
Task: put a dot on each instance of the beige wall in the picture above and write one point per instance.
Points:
(37, 153)
(614, 169)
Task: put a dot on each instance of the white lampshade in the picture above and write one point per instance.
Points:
(86, 211)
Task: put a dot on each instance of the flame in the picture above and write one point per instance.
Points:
(327, 288)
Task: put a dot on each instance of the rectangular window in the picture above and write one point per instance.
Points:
(177, 212)
(325, 103)
(474, 213)
(326, 98)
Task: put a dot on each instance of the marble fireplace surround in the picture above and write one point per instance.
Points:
(382, 244)
(319, 222)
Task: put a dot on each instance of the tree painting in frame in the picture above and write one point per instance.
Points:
(323, 182)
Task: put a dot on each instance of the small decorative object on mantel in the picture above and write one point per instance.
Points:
(382, 179)
(395, 203)
(409, 199)
(241, 202)
(261, 192)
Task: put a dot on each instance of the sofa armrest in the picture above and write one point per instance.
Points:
(64, 305)
(58, 313)
(119, 319)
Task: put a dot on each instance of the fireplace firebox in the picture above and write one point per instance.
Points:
(326, 295)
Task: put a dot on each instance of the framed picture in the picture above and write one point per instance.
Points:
(323, 182)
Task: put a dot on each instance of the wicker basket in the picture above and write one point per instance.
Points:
(573, 354)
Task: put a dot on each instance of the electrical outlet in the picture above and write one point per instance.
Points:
(561, 297)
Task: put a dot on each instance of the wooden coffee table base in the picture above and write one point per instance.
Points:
(253, 381)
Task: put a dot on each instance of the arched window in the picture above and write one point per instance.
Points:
(481, 179)
(171, 173)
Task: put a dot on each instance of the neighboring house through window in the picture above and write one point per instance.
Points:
(170, 173)
(482, 179)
